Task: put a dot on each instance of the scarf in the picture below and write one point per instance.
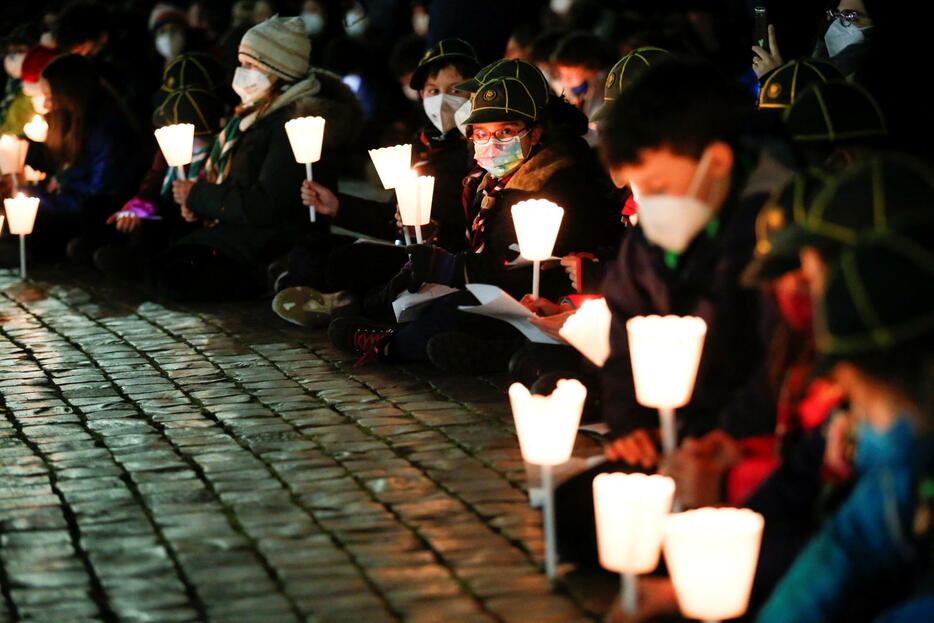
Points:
(194, 170)
(217, 165)
(486, 188)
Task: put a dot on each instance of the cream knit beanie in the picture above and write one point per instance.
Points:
(279, 45)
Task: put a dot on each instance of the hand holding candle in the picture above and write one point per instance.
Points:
(37, 129)
(537, 222)
(177, 144)
(306, 135)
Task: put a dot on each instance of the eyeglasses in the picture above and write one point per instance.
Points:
(503, 135)
(844, 17)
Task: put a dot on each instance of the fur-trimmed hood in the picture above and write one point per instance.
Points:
(335, 102)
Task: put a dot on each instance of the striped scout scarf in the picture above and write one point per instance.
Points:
(217, 164)
(191, 173)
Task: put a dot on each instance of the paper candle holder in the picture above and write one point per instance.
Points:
(12, 154)
(665, 353)
(306, 135)
(414, 195)
(711, 555)
(21, 213)
(630, 510)
(177, 143)
(537, 222)
(588, 330)
(547, 425)
(36, 129)
(393, 164)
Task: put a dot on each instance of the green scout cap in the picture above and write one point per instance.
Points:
(193, 69)
(783, 85)
(834, 111)
(786, 208)
(879, 295)
(871, 196)
(623, 73)
(193, 105)
(447, 50)
(527, 73)
(503, 99)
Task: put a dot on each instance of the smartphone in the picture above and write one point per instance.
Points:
(761, 27)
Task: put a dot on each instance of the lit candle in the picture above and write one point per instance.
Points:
(414, 196)
(665, 353)
(537, 222)
(711, 556)
(588, 330)
(393, 164)
(547, 427)
(629, 511)
(306, 135)
(12, 154)
(177, 144)
(36, 129)
(21, 216)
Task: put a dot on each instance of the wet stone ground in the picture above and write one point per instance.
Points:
(166, 463)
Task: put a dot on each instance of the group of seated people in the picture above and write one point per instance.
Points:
(786, 222)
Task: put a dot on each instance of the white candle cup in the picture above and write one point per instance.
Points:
(588, 330)
(12, 154)
(306, 136)
(393, 164)
(629, 511)
(537, 222)
(547, 427)
(36, 129)
(414, 195)
(665, 352)
(21, 217)
(177, 143)
(711, 555)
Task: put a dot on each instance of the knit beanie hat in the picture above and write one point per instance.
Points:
(280, 46)
(164, 13)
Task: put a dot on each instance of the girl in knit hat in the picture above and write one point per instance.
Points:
(247, 202)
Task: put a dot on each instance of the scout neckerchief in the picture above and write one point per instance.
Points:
(194, 169)
(217, 164)
(489, 189)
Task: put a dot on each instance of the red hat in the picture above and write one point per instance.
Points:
(35, 61)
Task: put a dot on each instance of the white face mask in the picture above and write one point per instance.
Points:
(169, 44)
(250, 84)
(13, 64)
(420, 24)
(561, 7)
(356, 22)
(314, 23)
(460, 116)
(839, 37)
(673, 221)
(441, 108)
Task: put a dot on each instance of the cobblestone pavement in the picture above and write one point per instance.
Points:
(168, 464)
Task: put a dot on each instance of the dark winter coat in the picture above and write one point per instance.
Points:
(566, 173)
(731, 391)
(258, 207)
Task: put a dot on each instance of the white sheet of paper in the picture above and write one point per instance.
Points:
(409, 305)
(497, 304)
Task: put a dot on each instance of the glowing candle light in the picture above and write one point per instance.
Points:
(393, 164)
(537, 222)
(177, 144)
(36, 129)
(711, 555)
(547, 426)
(21, 217)
(630, 510)
(12, 154)
(306, 135)
(414, 196)
(665, 353)
(588, 330)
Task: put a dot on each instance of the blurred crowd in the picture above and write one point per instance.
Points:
(765, 166)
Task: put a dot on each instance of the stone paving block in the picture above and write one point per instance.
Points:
(215, 465)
